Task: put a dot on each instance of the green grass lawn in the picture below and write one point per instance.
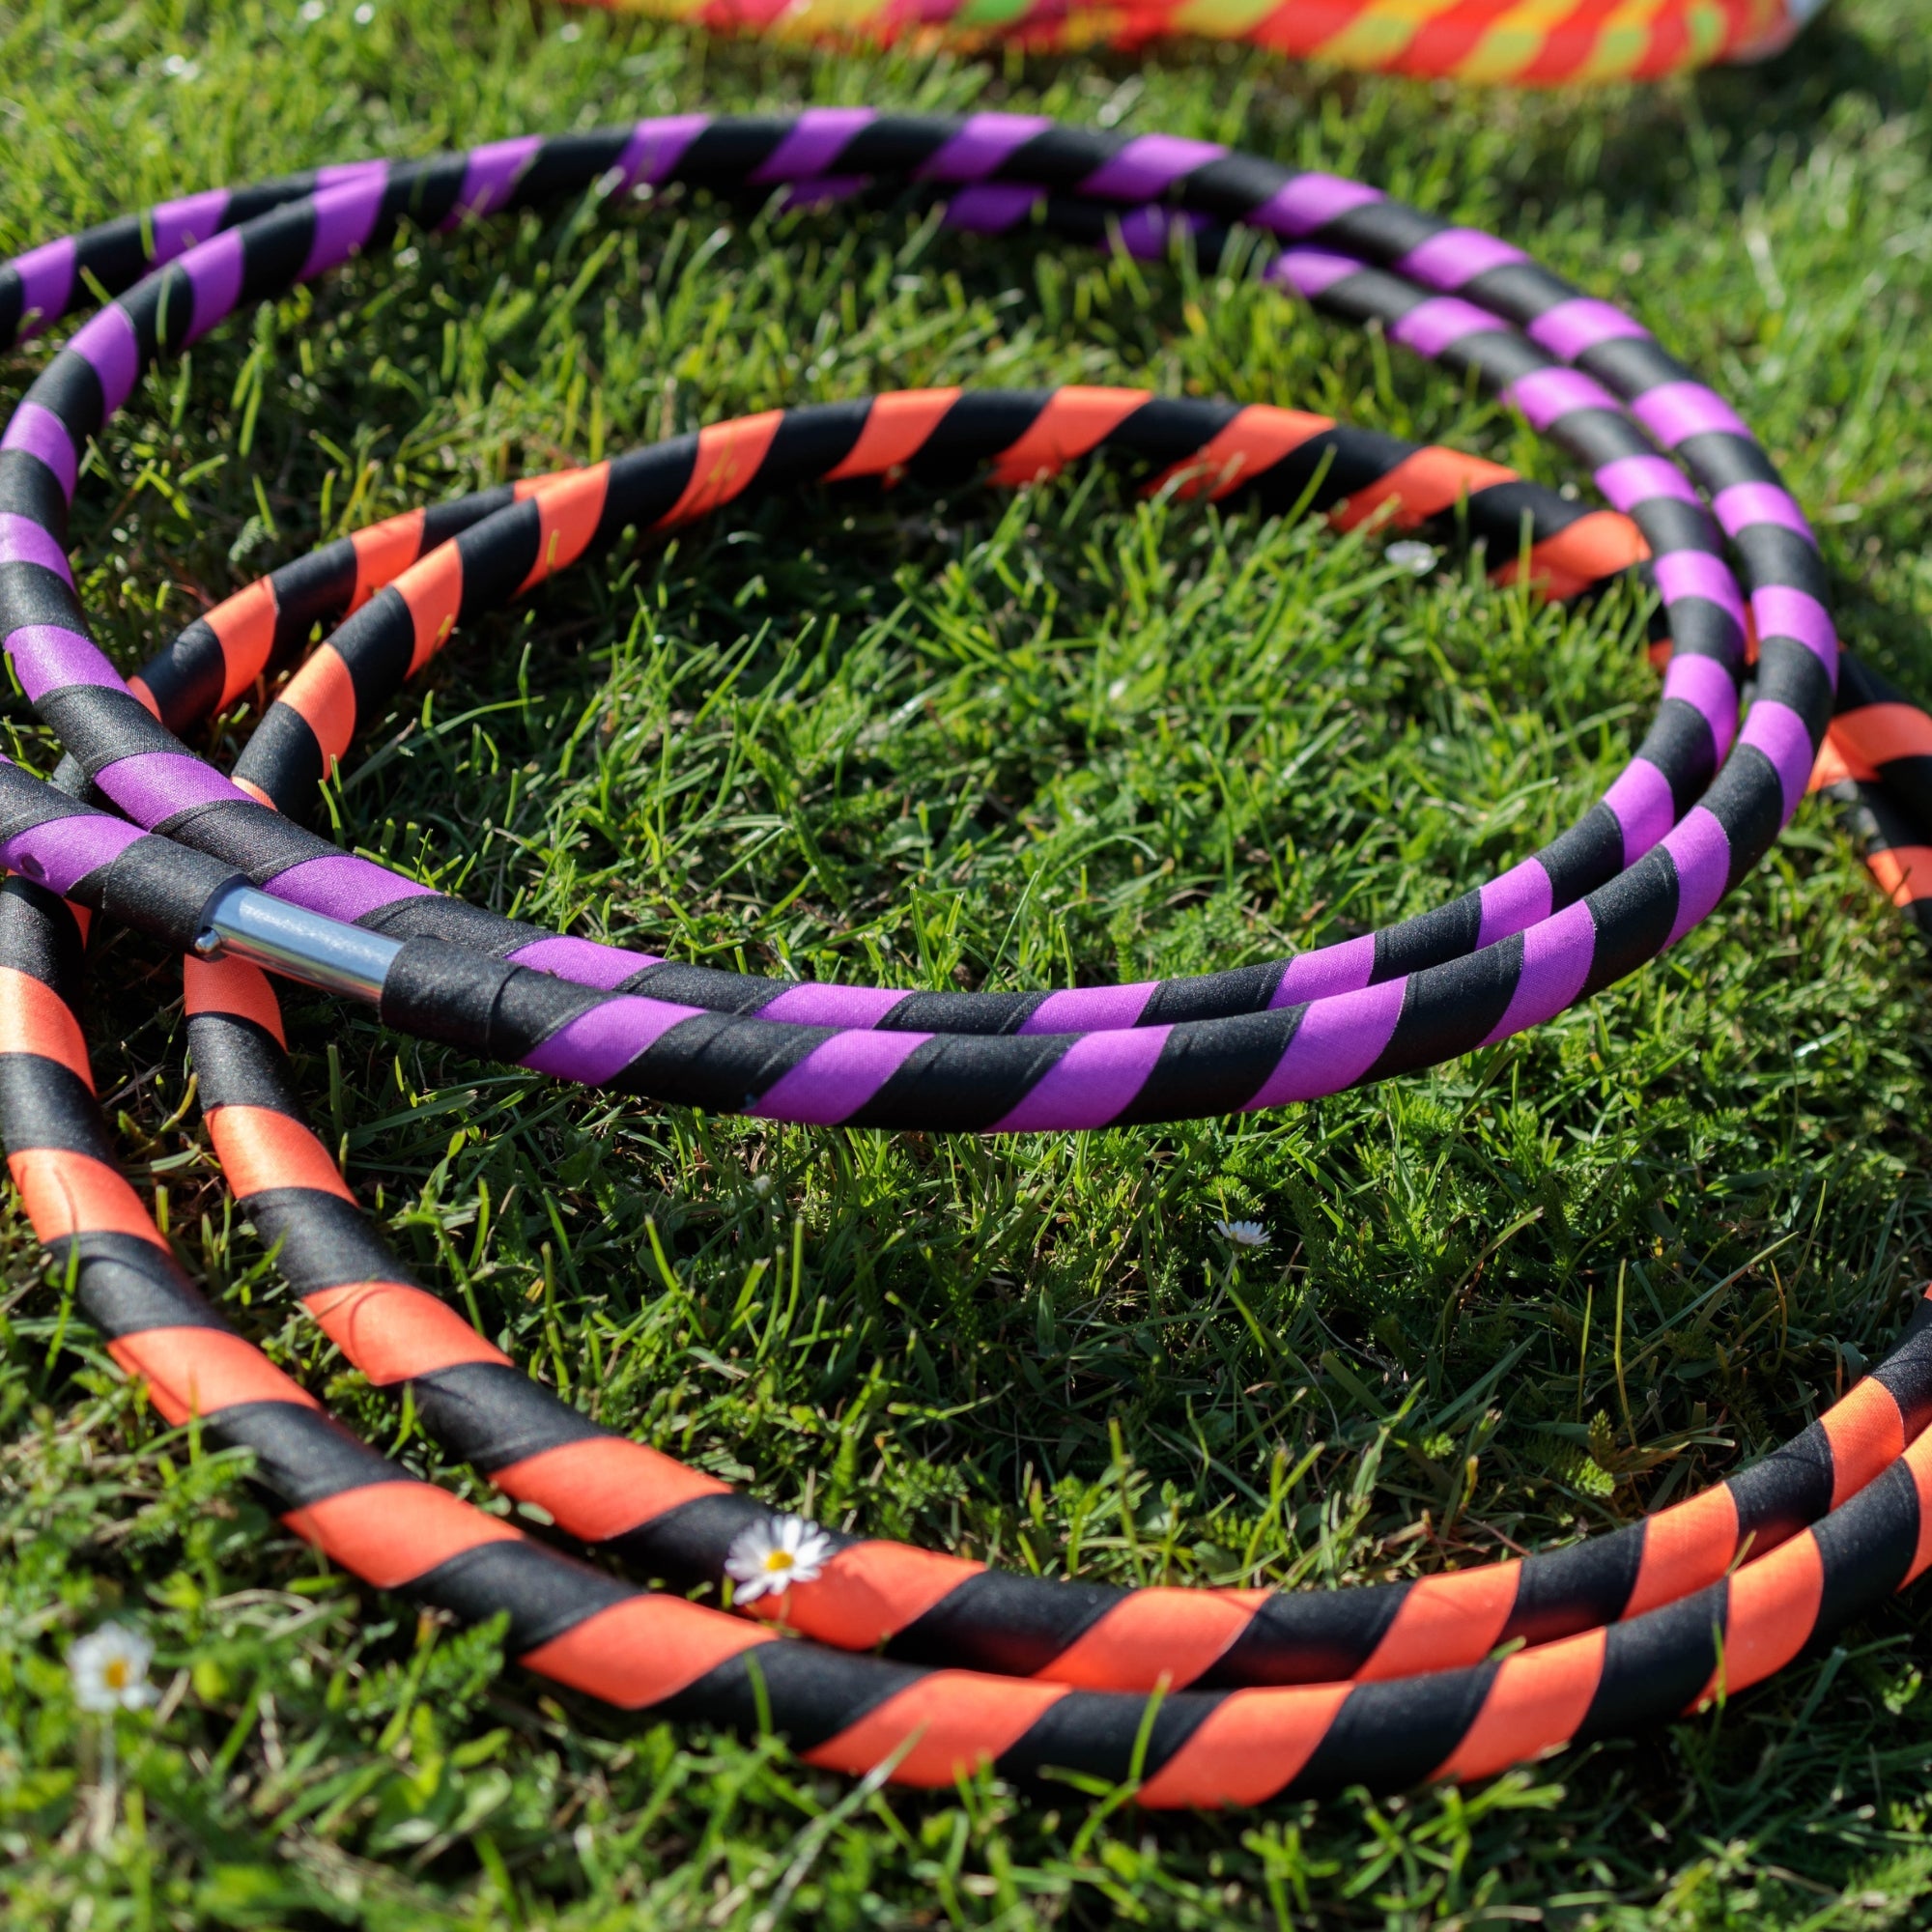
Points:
(977, 741)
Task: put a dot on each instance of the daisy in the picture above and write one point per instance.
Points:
(1243, 1233)
(109, 1667)
(1419, 558)
(772, 1554)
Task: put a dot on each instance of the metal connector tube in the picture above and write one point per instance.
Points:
(241, 922)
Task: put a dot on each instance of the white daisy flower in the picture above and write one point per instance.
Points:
(1243, 1233)
(772, 1554)
(1418, 558)
(110, 1668)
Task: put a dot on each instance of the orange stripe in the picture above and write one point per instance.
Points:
(1868, 1436)
(643, 1650)
(1535, 1703)
(232, 986)
(35, 1019)
(598, 1490)
(245, 626)
(203, 1371)
(1685, 1548)
(383, 551)
(145, 697)
(1445, 1621)
(729, 456)
(1774, 1609)
(1836, 765)
(1074, 420)
(1421, 486)
(867, 1593)
(957, 1718)
(433, 589)
(1247, 1747)
(391, 1331)
(1155, 1636)
(1879, 733)
(259, 1148)
(323, 696)
(1253, 442)
(535, 486)
(254, 792)
(1903, 872)
(74, 1194)
(568, 514)
(392, 1533)
(896, 431)
(1599, 546)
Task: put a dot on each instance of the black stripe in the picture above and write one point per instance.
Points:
(1096, 1733)
(1002, 1622)
(1215, 1068)
(239, 1064)
(544, 1593)
(1389, 1735)
(963, 1084)
(1450, 1009)
(1655, 1665)
(1562, 1591)
(493, 1415)
(320, 1241)
(1308, 1637)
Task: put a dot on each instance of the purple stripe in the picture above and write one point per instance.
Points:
(821, 191)
(1309, 202)
(595, 1045)
(1320, 975)
(1149, 165)
(62, 853)
(1783, 612)
(582, 961)
(1696, 573)
(1090, 1009)
(1547, 395)
(1556, 957)
(1310, 272)
(488, 174)
(1336, 1044)
(982, 146)
(180, 225)
(46, 657)
(1572, 328)
(655, 147)
(1743, 505)
(1430, 328)
(152, 786)
(215, 270)
(47, 282)
(1702, 855)
(1703, 682)
(41, 433)
(24, 541)
(1631, 480)
(1640, 803)
(1147, 232)
(1456, 256)
(991, 209)
(345, 218)
(817, 138)
(108, 346)
(339, 173)
(1778, 732)
(837, 1077)
(1675, 411)
(818, 1003)
(1089, 1084)
(1514, 903)
(343, 887)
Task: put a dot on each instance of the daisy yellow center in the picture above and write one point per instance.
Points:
(780, 1559)
(116, 1673)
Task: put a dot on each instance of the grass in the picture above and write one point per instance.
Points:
(976, 741)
